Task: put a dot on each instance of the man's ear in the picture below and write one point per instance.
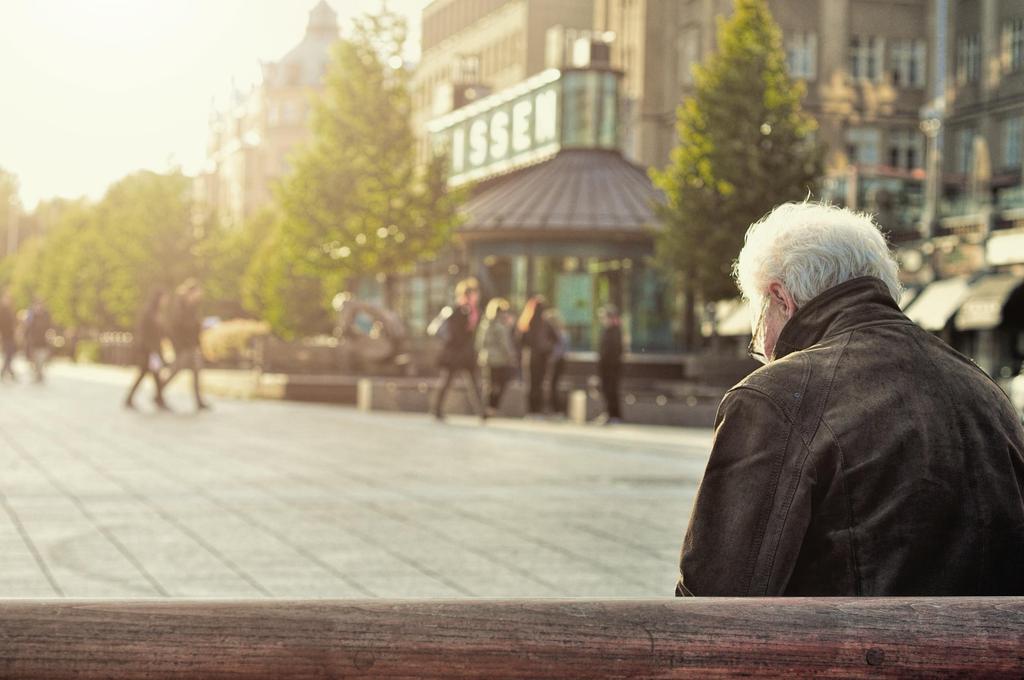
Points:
(783, 298)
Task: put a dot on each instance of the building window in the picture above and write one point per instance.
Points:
(965, 150)
(802, 55)
(968, 58)
(909, 59)
(862, 145)
(867, 57)
(290, 113)
(905, 148)
(1012, 128)
(1013, 44)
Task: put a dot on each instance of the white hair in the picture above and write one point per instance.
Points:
(810, 247)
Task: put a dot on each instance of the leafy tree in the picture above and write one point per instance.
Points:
(744, 146)
(72, 270)
(148, 241)
(224, 255)
(25, 271)
(278, 290)
(357, 203)
(94, 263)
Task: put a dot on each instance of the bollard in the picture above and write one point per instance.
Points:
(578, 406)
(364, 394)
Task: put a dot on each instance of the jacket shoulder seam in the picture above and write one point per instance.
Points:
(854, 553)
(762, 524)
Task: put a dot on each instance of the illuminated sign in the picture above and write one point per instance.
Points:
(529, 122)
(502, 131)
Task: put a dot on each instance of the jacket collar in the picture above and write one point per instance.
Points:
(853, 303)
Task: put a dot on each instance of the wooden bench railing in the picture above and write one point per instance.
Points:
(494, 639)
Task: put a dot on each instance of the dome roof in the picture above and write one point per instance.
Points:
(306, 63)
(323, 19)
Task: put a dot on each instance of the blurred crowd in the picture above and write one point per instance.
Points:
(492, 347)
(174, 319)
(30, 331)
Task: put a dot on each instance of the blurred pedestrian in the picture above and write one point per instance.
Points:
(497, 350)
(37, 345)
(609, 361)
(8, 339)
(149, 334)
(557, 360)
(184, 329)
(537, 336)
(456, 326)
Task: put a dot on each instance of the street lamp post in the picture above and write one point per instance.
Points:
(931, 126)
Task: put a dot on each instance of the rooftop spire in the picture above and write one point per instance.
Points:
(323, 20)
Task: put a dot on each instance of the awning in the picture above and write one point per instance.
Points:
(938, 302)
(986, 298)
(582, 193)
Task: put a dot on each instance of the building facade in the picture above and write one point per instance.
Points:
(866, 64)
(969, 267)
(984, 124)
(251, 140)
(470, 48)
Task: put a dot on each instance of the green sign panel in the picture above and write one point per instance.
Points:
(530, 122)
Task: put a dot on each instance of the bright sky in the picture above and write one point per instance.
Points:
(91, 90)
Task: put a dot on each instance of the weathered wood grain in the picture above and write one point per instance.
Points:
(934, 637)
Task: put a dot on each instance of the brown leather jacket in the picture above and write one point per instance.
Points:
(868, 459)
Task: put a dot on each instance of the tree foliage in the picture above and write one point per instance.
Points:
(283, 293)
(356, 203)
(93, 264)
(744, 146)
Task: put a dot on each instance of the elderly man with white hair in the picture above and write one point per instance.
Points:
(866, 457)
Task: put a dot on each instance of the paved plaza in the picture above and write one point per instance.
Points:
(275, 499)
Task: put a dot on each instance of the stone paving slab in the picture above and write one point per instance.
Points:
(277, 499)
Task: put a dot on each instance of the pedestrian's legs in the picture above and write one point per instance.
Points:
(9, 352)
(196, 364)
(473, 386)
(610, 390)
(443, 384)
(538, 369)
(143, 370)
(555, 397)
(175, 368)
(159, 398)
(500, 376)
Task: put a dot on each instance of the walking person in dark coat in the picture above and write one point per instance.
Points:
(497, 350)
(609, 361)
(8, 339)
(557, 360)
(457, 326)
(186, 325)
(149, 333)
(537, 336)
(37, 346)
